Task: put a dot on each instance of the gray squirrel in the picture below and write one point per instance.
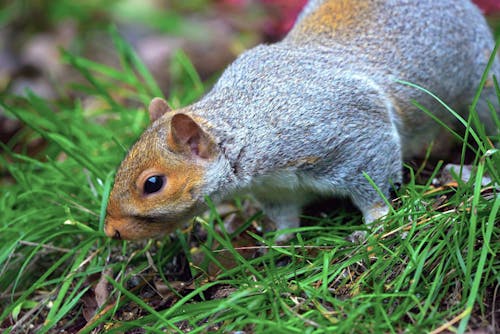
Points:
(310, 116)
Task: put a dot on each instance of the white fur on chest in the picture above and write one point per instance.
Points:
(291, 185)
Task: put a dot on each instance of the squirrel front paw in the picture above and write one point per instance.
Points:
(371, 217)
(375, 212)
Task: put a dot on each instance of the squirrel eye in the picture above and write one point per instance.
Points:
(153, 184)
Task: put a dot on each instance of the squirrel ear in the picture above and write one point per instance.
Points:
(187, 135)
(157, 108)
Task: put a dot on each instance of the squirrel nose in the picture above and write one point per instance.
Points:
(112, 232)
(116, 235)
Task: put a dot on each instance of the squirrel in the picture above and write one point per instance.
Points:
(310, 116)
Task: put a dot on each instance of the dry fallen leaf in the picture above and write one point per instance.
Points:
(102, 288)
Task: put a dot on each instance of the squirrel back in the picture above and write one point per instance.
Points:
(309, 116)
(442, 46)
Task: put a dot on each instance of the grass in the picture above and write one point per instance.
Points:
(434, 269)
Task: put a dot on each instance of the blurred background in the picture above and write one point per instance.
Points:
(211, 32)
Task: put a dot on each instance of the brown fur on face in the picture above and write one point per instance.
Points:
(178, 156)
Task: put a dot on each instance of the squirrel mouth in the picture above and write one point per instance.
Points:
(116, 236)
(128, 228)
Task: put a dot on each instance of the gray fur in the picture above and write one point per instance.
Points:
(279, 107)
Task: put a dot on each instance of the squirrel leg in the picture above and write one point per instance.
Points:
(385, 172)
(281, 215)
(372, 211)
(371, 204)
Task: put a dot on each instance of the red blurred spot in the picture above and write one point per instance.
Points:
(283, 13)
(489, 7)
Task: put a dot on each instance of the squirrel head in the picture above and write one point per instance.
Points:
(159, 183)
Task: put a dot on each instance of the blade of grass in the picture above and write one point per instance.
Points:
(131, 61)
(54, 314)
(485, 249)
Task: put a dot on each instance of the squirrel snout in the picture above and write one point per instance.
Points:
(111, 231)
(129, 228)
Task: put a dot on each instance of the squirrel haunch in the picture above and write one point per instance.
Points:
(310, 116)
